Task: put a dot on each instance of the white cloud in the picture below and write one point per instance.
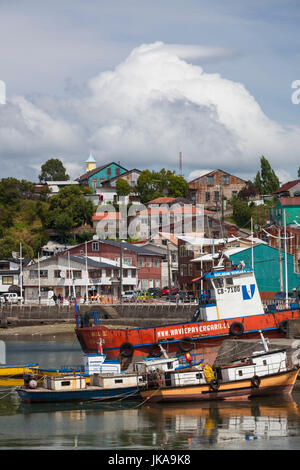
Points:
(153, 105)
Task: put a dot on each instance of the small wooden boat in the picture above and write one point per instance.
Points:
(65, 389)
(262, 373)
(13, 375)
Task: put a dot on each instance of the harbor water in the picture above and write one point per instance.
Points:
(260, 424)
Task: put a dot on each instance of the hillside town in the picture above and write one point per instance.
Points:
(143, 236)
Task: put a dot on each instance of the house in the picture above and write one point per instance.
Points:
(95, 176)
(148, 262)
(290, 206)
(55, 186)
(274, 235)
(289, 189)
(166, 245)
(269, 276)
(211, 188)
(65, 275)
(10, 274)
(198, 254)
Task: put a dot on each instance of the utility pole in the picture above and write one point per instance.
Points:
(21, 274)
(280, 260)
(121, 271)
(87, 274)
(286, 271)
(169, 273)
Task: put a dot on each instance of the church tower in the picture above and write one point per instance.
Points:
(90, 163)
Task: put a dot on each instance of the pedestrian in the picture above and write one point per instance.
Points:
(177, 298)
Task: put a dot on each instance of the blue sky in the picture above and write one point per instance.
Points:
(51, 51)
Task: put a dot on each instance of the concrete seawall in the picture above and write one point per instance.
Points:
(126, 314)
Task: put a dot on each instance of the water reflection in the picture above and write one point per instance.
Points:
(261, 423)
(131, 425)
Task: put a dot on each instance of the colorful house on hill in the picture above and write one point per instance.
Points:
(267, 267)
(291, 206)
(95, 176)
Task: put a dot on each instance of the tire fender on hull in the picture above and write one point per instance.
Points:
(186, 344)
(126, 349)
(236, 329)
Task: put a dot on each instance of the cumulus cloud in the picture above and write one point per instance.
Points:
(152, 106)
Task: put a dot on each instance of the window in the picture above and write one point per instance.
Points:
(133, 273)
(95, 246)
(34, 273)
(217, 196)
(218, 282)
(226, 179)
(77, 274)
(156, 263)
(183, 270)
(141, 262)
(57, 273)
(149, 263)
(125, 272)
(7, 280)
(229, 281)
(117, 171)
(190, 267)
(210, 180)
(108, 172)
(207, 196)
(128, 261)
(94, 183)
(240, 373)
(182, 250)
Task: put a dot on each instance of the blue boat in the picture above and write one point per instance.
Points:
(64, 389)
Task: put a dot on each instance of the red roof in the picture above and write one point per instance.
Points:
(289, 201)
(287, 186)
(162, 200)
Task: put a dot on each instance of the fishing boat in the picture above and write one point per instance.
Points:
(74, 388)
(13, 375)
(102, 380)
(232, 309)
(262, 373)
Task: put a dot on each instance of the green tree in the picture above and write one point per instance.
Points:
(266, 181)
(299, 172)
(67, 209)
(123, 187)
(241, 212)
(53, 170)
(153, 184)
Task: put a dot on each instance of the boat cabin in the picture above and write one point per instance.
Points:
(60, 383)
(112, 381)
(258, 364)
(151, 364)
(97, 363)
(231, 294)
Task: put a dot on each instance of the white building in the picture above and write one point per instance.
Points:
(10, 274)
(65, 276)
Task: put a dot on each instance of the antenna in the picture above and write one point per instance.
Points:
(180, 163)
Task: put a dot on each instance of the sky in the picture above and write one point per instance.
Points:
(139, 81)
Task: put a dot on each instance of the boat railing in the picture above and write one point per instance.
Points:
(279, 305)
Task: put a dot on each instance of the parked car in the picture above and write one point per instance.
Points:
(184, 296)
(165, 290)
(154, 291)
(144, 295)
(129, 295)
(10, 297)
